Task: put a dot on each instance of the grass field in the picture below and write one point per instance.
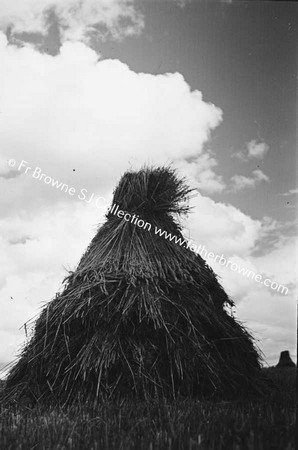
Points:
(183, 424)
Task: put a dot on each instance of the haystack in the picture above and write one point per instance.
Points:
(140, 316)
(285, 360)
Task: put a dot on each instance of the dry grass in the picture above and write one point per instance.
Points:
(181, 424)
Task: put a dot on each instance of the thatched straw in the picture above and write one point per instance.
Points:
(140, 315)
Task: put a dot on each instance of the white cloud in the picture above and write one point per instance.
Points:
(257, 150)
(182, 3)
(33, 268)
(254, 149)
(240, 155)
(77, 20)
(285, 251)
(200, 172)
(240, 182)
(242, 285)
(260, 176)
(290, 192)
(222, 228)
(96, 116)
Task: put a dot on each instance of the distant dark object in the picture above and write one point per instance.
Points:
(285, 360)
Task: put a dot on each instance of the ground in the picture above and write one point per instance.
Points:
(183, 424)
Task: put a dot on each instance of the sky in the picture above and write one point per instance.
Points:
(90, 89)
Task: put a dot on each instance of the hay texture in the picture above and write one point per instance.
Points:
(140, 316)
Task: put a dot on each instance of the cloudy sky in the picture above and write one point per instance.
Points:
(91, 88)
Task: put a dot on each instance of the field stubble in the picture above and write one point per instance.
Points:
(181, 424)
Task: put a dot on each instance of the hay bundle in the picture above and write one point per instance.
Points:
(285, 360)
(141, 315)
